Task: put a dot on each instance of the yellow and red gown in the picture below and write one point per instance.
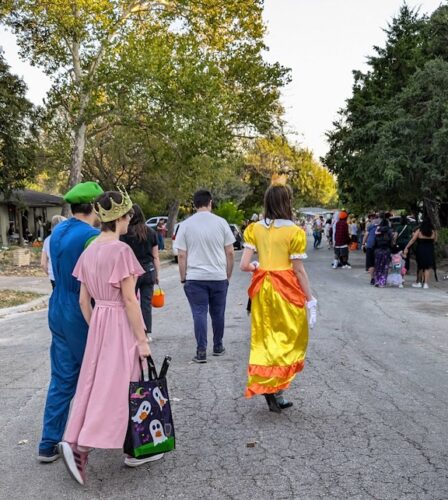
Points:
(279, 327)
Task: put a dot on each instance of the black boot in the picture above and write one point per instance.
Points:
(272, 403)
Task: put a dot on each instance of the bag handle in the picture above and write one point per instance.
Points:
(152, 372)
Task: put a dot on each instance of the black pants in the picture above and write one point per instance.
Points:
(145, 285)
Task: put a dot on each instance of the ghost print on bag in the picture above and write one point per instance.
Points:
(151, 429)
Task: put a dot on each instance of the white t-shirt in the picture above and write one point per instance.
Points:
(203, 236)
(46, 249)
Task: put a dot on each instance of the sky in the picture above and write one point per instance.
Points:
(322, 41)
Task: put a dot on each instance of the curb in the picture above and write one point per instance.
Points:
(42, 302)
(39, 303)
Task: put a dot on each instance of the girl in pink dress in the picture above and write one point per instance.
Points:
(107, 270)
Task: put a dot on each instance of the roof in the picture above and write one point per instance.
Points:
(31, 198)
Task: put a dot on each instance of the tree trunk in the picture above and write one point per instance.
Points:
(172, 217)
(76, 161)
(77, 155)
(21, 239)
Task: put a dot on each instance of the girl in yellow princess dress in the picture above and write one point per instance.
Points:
(282, 303)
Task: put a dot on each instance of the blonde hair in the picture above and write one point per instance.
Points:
(56, 219)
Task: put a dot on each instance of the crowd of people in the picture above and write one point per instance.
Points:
(104, 262)
(387, 245)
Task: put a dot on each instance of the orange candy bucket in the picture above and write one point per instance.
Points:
(158, 298)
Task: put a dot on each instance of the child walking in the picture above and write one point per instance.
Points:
(397, 268)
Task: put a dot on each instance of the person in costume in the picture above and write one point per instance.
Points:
(280, 294)
(425, 237)
(107, 270)
(68, 327)
(383, 245)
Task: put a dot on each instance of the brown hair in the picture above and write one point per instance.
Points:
(278, 203)
(202, 198)
(137, 226)
(104, 201)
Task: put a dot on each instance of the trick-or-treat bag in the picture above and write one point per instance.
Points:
(150, 427)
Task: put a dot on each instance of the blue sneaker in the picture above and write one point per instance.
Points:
(50, 455)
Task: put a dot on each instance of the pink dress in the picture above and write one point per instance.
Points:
(100, 410)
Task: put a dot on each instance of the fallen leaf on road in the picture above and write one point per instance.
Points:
(23, 441)
(176, 399)
(251, 444)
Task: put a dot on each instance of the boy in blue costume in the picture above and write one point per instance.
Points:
(67, 325)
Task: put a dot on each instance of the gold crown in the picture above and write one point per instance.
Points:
(116, 210)
(279, 180)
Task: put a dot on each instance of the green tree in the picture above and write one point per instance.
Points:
(92, 49)
(230, 212)
(311, 182)
(353, 140)
(17, 134)
(389, 148)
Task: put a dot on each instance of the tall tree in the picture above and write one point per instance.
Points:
(83, 45)
(17, 135)
(355, 138)
(311, 182)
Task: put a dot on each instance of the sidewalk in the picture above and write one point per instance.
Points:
(36, 285)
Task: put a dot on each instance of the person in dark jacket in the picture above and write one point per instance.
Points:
(341, 242)
(143, 241)
(383, 245)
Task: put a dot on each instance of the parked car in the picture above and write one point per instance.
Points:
(395, 220)
(153, 221)
(173, 238)
(238, 245)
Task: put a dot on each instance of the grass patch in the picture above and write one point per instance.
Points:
(11, 298)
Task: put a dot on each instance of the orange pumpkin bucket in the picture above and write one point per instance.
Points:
(158, 298)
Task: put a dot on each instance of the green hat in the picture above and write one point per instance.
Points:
(84, 192)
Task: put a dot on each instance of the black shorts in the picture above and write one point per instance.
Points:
(370, 258)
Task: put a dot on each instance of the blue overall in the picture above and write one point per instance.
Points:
(67, 325)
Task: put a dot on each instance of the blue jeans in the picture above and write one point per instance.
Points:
(204, 297)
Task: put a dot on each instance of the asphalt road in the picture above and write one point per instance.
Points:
(369, 421)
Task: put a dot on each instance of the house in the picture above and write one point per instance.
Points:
(22, 208)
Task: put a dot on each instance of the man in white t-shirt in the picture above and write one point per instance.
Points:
(205, 255)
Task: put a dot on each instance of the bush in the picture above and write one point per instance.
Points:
(230, 212)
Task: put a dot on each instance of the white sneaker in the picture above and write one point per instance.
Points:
(416, 285)
(136, 462)
(347, 266)
(400, 286)
(426, 286)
